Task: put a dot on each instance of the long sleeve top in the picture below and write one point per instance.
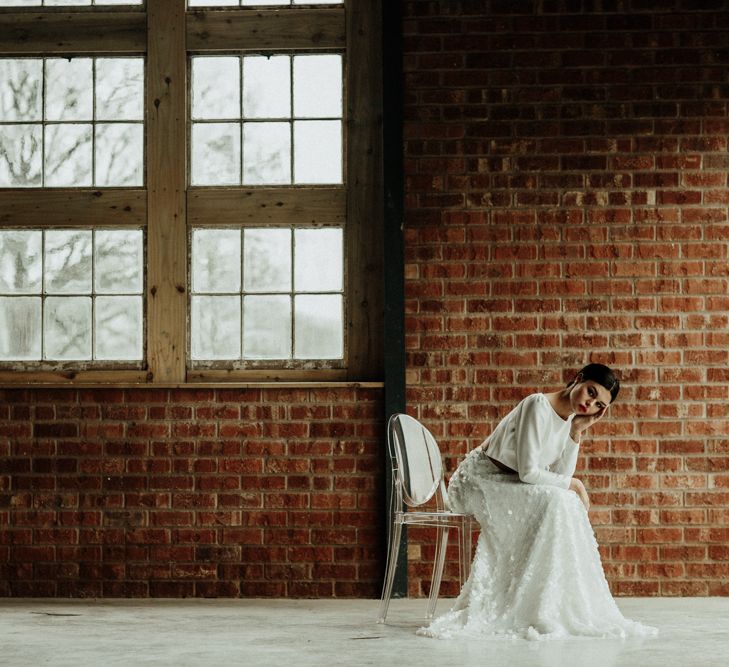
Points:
(535, 441)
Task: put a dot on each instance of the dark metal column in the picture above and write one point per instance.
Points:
(392, 106)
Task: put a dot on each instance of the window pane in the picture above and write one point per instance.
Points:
(59, 3)
(318, 151)
(20, 155)
(265, 2)
(318, 86)
(20, 262)
(266, 153)
(69, 86)
(119, 88)
(318, 260)
(118, 261)
(216, 154)
(267, 87)
(119, 149)
(212, 3)
(68, 262)
(77, 153)
(118, 327)
(21, 83)
(67, 327)
(215, 327)
(267, 327)
(267, 260)
(318, 327)
(20, 330)
(68, 155)
(216, 88)
(216, 260)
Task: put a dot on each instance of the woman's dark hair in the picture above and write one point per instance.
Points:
(600, 374)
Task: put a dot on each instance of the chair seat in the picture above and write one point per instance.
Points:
(432, 518)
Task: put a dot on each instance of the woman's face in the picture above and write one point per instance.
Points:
(588, 398)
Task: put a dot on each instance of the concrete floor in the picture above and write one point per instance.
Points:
(320, 633)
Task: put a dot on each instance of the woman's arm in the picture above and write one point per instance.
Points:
(531, 428)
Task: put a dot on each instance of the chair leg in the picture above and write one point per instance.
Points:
(440, 552)
(465, 534)
(392, 554)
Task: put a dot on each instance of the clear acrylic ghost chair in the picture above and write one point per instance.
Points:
(417, 476)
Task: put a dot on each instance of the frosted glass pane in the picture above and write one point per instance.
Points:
(318, 260)
(267, 327)
(251, 3)
(267, 260)
(119, 150)
(318, 86)
(20, 155)
(68, 155)
(318, 327)
(118, 261)
(20, 328)
(216, 260)
(20, 3)
(118, 327)
(215, 327)
(66, 3)
(318, 2)
(119, 88)
(67, 327)
(216, 87)
(69, 89)
(212, 3)
(119, 2)
(21, 84)
(318, 151)
(267, 87)
(216, 154)
(266, 153)
(20, 262)
(68, 262)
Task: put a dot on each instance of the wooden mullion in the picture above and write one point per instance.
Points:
(51, 33)
(265, 30)
(256, 206)
(166, 183)
(364, 234)
(74, 207)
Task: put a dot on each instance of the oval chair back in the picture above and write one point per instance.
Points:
(416, 459)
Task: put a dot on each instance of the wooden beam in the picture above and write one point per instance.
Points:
(166, 183)
(364, 237)
(279, 29)
(69, 377)
(266, 375)
(257, 206)
(52, 207)
(72, 32)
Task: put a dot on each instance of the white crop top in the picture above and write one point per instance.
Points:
(535, 441)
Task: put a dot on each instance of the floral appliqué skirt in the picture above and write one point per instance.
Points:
(536, 573)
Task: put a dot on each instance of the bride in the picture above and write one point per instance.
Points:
(537, 572)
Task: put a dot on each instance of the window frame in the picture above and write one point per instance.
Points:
(167, 34)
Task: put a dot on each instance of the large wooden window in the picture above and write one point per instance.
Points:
(190, 194)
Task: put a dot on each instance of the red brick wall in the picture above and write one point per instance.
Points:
(566, 201)
(175, 493)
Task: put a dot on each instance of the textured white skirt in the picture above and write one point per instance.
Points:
(537, 572)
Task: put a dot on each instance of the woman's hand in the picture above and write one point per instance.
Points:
(580, 423)
(579, 488)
